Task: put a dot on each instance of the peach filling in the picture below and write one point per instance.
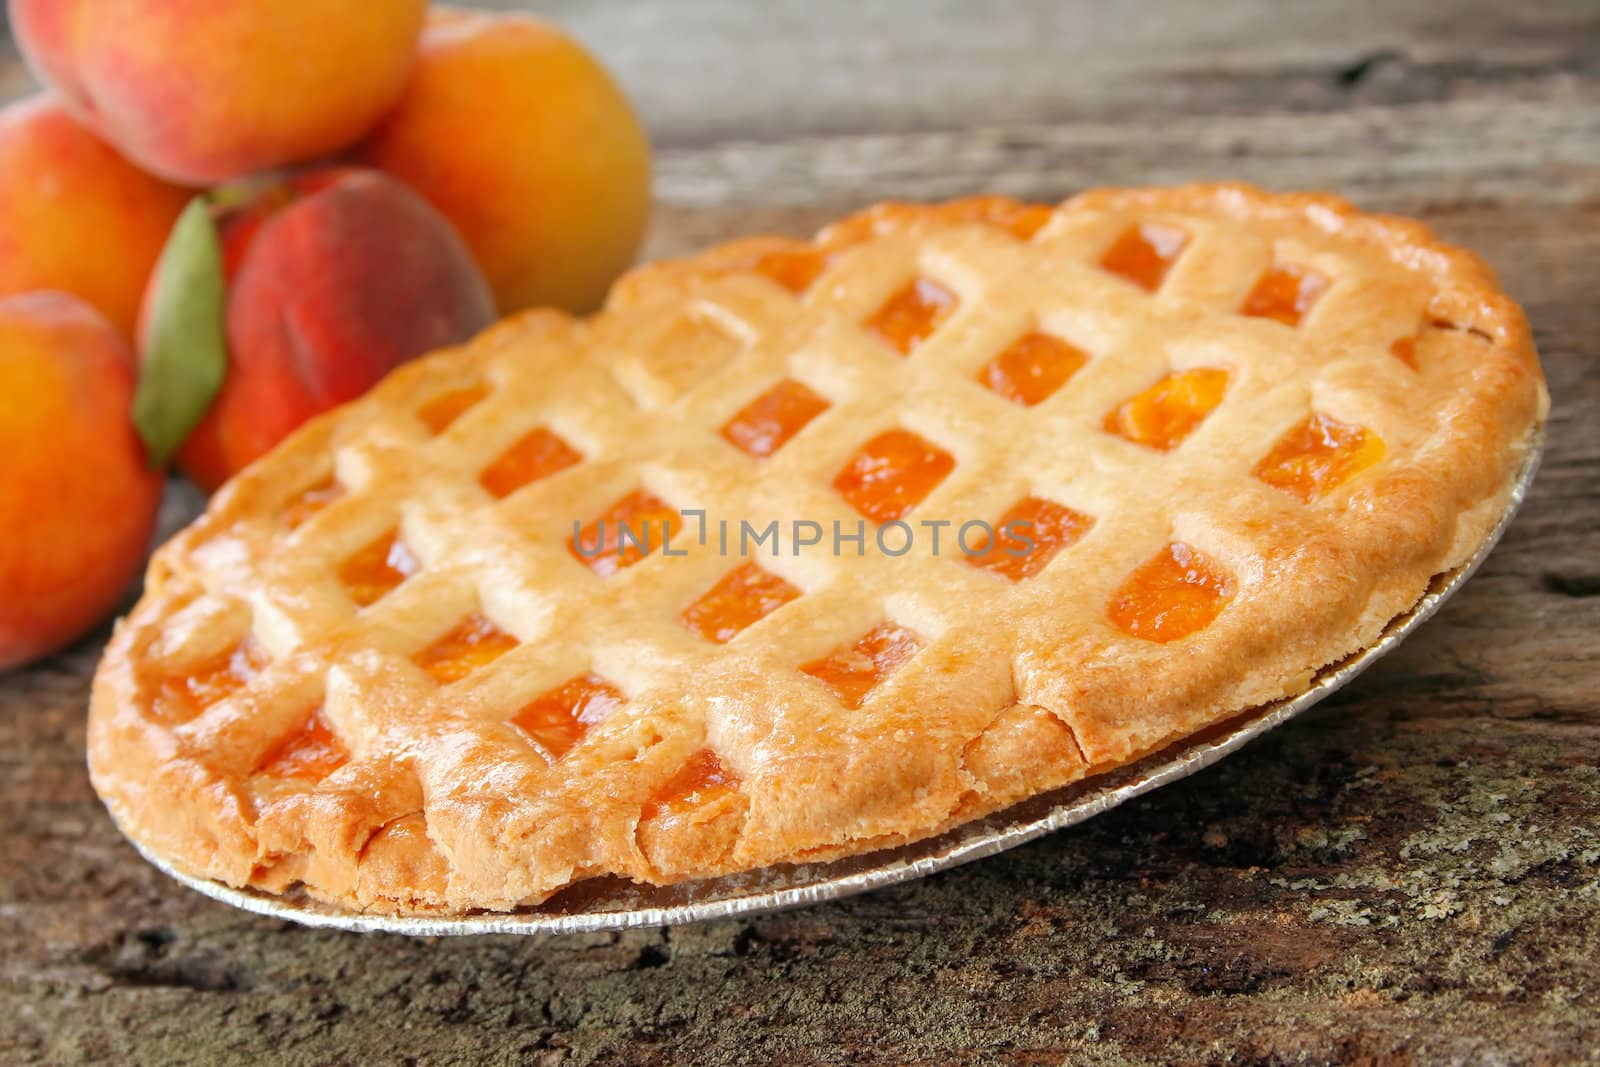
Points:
(766, 423)
(1172, 595)
(437, 414)
(1318, 456)
(1028, 536)
(312, 751)
(186, 695)
(856, 669)
(1143, 253)
(475, 642)
(1405, 350)
(794, 269)
(1170, 410)
(1285, 293)
(1034, 366)
(908, 317)
(371, 573)
(557, 720)
(625, 533)
(699, 781)
(893, 473)
(741, 597)
(537, 454)
(310, 502)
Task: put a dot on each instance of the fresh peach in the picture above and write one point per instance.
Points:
(200, 91)
(74, 215)
(522, 139)
(77, 501)
(333, 278)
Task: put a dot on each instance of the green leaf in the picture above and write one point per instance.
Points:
(185, 350)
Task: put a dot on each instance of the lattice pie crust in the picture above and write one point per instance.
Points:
(1246, 430)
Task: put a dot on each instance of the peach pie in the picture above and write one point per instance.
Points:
(800, 549)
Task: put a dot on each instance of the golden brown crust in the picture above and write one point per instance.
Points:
(1017, 688)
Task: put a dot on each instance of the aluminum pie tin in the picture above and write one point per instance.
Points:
(615, 904)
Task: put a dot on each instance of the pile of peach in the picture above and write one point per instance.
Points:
(221, 219)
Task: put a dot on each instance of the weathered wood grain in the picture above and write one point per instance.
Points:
(1410, 874)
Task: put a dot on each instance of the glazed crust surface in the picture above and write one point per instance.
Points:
(429, 797)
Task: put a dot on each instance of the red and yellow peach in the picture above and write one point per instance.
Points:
(199, 91)
(334, 278)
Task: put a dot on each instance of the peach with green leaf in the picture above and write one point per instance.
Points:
(77, 502)
(280, 299)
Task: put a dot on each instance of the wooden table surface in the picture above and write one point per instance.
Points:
(1411, 873)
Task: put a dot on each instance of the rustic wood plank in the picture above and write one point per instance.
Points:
(1410, 874)
(727, 70)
